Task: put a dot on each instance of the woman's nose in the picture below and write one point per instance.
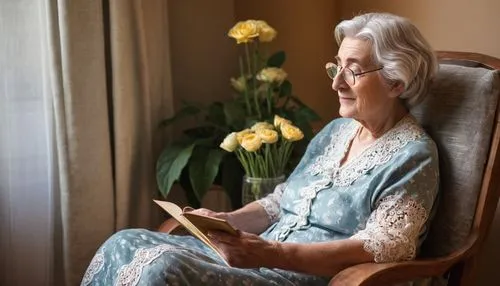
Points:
(338, 81)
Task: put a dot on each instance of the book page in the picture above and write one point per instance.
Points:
(176, 212)
(207, 223)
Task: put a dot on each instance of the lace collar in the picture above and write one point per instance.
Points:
(378, 153)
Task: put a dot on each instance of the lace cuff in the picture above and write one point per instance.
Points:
(271, 203)
(392, 231)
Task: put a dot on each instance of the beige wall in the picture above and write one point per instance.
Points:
(465, 25)
(459, 25)
(203, 57)
(305, 33)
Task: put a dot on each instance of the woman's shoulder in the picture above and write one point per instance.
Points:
(406, 143)
(418, 140)
(413, 149)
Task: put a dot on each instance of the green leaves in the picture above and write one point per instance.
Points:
(277, 59)
(203, 168)
(235, 114)
(170, 164)
(285, 89)
(185, 111)
(216, 113)
(303, 112)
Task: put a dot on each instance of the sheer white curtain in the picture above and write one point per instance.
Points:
(26, 146)
(70, 176)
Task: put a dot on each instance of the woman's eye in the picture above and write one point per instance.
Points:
(355, 69)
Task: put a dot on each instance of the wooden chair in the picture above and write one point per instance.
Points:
(461, 115)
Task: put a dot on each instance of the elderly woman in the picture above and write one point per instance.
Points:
(364, 190)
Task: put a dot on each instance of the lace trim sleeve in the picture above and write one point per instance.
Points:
(392, 231)
(271, 203)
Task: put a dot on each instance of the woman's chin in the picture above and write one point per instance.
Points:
(346, 112)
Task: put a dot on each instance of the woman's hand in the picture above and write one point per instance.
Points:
(246, 250)
(251, 218)
(207, 212)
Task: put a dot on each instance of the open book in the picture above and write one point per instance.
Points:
(198, 225)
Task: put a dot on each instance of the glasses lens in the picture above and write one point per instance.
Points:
(331, 70)
(349, 76)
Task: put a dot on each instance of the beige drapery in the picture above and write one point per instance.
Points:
(110, 75)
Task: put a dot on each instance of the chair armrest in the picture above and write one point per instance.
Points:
(391, 273)
(171, 226)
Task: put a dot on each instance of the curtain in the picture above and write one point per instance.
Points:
(26, 153)
(111, 74)
(95, 76)
(142, 96)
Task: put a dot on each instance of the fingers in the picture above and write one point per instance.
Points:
(207, 212)
(201, 211)
(223, 237)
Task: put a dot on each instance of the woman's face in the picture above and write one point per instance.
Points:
(371, 97)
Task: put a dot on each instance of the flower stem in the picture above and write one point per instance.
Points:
(251, 163)
(276, 157)
(269, 100)
(244, 162)
(288, 151)
(245, 91)
(270, 160)
(254, 81)
(247, 54)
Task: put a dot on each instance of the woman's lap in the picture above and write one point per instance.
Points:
(142, 257)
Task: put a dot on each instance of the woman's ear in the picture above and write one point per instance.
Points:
(397, 89)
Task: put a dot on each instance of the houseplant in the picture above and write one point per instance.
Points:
(261, 90)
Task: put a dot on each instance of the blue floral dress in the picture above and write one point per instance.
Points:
(384, 197)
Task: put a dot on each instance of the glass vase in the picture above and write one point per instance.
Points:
(256, 188)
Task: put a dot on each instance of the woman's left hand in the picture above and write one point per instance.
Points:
(246, 250)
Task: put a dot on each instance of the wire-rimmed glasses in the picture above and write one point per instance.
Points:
(332, 70)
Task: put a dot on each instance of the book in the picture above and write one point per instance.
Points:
(198, 225)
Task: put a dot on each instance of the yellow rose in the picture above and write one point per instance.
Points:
(230, 143)
(278, 121)
(239, 84)
(291, 133)
(266, 32)
(251, 142)
(239, 135)
(244, 32)
(267, 135)
(261, 125)
(272, 74)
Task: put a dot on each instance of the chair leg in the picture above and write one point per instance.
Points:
(463, 273)
(469, 272)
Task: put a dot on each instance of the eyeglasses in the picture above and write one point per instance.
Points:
(349, 75)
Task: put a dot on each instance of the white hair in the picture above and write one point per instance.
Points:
(399, 47)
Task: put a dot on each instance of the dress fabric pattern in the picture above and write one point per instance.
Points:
(392, 229)
(383, 197)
